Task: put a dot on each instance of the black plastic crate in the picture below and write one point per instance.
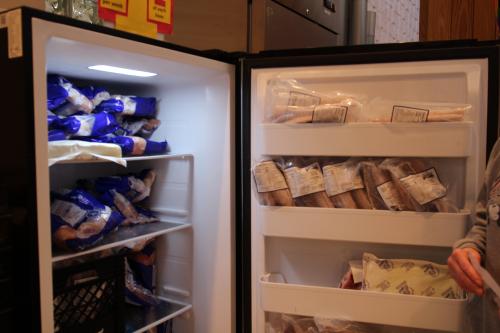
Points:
(89, 297)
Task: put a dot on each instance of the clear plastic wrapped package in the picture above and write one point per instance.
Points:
(271, 185)
(287, 101)
(385, 110)
(305, 182)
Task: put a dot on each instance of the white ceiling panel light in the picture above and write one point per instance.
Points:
(121, 70)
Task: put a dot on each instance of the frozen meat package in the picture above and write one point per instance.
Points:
(397, 184)
(290, 101)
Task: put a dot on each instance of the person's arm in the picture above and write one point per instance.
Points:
(475, 243)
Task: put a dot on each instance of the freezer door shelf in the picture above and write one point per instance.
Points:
(366, 139)
(124, 235)
(363, 306)
(141, 319)
(358, 225)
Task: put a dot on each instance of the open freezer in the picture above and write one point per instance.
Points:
(192, 195)
(300, 252)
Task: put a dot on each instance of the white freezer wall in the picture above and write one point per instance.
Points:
(459, 81)
(196, 110)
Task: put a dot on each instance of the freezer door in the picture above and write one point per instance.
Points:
(311, 245)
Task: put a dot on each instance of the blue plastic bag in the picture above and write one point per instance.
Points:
(57, 135)
(88, 125)
(95, 94)
(79, 220)
(134, 145)
(129, 105)
(76, 99)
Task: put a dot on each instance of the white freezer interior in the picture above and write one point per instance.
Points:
(319, 259)
(196, 107)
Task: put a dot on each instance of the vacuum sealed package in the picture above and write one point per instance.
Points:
(97, 124)
(134, 187)
(132, 215)
(132, 126)
(73, 96)
(384, 110)
(140, 277)
(329, 325)
(344, 184)
(305, 183)
(287, 101)
(134, 145)
(129, 105)
(135, 292)
(271, 185)
(353, 278)
(51, 119)
(95, 94)
(56, 95)
(79, 220)
(82, 150)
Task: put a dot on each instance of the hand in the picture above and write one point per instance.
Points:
(464, 273)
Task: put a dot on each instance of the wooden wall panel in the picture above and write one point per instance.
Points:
(435, 19)
(457, 19)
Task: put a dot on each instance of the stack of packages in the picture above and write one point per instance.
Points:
(401, 276)
(92, 115)
(82, 216)
(288, 101)
(398, 184)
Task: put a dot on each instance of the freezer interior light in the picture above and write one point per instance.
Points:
(120, 70)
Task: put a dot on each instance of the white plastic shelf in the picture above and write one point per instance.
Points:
(129, 159)
(122, 236)
(367, 139)
(141, 319)
(359, 225)
(364, 306)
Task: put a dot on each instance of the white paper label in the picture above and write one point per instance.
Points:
(425, 186)
(68, 211)
(330, 113)
(301, 99)
(268, 177)
(341, 178)
(303, 181)
(406, 114)
(389, 194)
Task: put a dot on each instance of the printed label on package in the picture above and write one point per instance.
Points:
(268, 177)
(67, 211)
(341, 178)
(330, 113)
(425, 186)
(389, 194)
(300, 99)
(407, 114)
(303, 181)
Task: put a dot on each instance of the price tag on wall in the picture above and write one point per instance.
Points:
(145, 18)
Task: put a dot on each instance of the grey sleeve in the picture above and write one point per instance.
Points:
(476, 237)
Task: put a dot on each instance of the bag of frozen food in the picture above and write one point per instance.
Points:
(271, 185)
(135, 187)
(51, 119)
(79, 220)
(132, 214)
(142, 263)
(129, 105)
(96, 94)
(425, 187)
(384, 110)
(131, 126)
(74, 96)
(382, 192)
(134, 145)
(353, 277)
(57, 135)
(305, 183)
(344, 184)
(287, 101)
(136, 293)
(409, 277)
(56, 96)
(82, 150)
(329, 325)
(97, 124)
